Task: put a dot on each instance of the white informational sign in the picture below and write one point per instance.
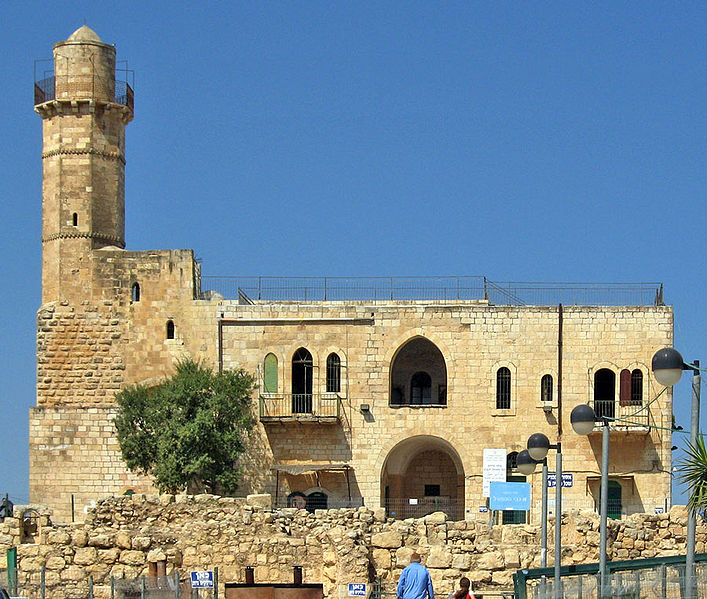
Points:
(357, 589)
(412, 501)
(494, 468)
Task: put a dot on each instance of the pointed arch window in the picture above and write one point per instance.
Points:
(170, 329)
(546, 389)
(270, 374)
(333, 373)
(503, 389)
(604, 393)
(135, 292)
(302, 366)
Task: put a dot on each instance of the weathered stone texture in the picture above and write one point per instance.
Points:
(121, 536)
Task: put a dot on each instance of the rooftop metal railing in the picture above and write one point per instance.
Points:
(432, 289)
(87, 87)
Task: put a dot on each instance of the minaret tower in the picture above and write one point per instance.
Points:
(84, 112)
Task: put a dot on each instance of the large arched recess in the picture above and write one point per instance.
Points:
(420, 475)
(418, 361)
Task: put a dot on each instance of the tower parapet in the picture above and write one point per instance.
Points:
(84, 112)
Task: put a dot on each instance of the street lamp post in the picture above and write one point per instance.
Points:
(583, 418)
(667, 368)
(526, 465)
(538, 446)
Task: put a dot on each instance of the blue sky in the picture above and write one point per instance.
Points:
(553, 141)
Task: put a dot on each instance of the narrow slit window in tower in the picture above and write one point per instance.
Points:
(170, 329)
(135, 295)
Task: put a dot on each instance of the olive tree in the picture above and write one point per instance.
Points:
(187, 432)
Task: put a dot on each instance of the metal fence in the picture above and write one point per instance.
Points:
(662, 582)
(41, 583)
(402, 509)
(159, 587)
(657, 578)
(430, 289)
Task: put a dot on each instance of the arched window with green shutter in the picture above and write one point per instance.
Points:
(270, 374)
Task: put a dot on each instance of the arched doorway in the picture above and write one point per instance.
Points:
(421, 475)
(302, 366)
(418, 375)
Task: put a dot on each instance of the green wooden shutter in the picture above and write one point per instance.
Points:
(270, 377)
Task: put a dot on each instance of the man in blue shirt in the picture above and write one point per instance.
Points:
(415, 581)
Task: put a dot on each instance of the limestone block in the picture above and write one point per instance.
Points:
(55, 562)
(461, 561)
(101, 541)
(503, 578)
(483, 576)
(387, 540)
(436, 518)
(79, 538)
(381, 559)
(132, 557)
(27, 550)
(85, 556)
(492, 560)
(261, 500)
(141, 543)
(123, 540)
(109, 556)
(59, 538)
(73, 573)
(439, 557)
(511, 558)
(156, 555)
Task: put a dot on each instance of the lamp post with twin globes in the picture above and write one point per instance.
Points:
(538, 446)
(583, 419)
(667, 368)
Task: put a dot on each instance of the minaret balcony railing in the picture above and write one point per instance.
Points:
(75, 87)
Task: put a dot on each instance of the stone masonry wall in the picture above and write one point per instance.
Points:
(122, 535)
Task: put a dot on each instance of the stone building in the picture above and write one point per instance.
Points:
(383, 392)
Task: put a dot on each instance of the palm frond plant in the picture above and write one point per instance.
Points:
(693, 472)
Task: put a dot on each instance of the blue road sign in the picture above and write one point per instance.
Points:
(567, 479)
(357, 589)
(510, 496)
(203, 579)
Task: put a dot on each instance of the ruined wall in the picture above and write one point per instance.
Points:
(335, 547)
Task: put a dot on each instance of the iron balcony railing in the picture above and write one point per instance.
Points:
(628, 416)
(278, 406)
(431, 289)
(83, 88)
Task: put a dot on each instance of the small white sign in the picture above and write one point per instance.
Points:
(494, 469)
(483, 509)
(659, 510)
(412, 501)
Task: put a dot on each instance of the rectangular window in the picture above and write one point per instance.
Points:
(432, 491)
